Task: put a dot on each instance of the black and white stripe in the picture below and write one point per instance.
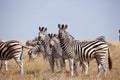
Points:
(12, 49)
(36, 50)
(66, 41)
(44, 38)
(96, 49)
(56, 50)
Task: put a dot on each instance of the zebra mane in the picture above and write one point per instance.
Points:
(52, 35)
(101, 38)
(42, 29)
(62, 26)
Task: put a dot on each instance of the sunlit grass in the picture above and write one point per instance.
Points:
(39, 69)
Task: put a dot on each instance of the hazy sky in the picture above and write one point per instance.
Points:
(86, 19)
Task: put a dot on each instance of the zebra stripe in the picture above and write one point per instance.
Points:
(94, 49)
(66, 45)
(12, 49)
(43, 38)
(56, 50)
(36, 50)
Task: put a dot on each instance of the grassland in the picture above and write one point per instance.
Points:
(39, 69)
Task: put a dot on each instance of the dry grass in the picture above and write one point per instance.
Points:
(39, 69)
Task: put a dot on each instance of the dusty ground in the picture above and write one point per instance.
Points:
(39, 69)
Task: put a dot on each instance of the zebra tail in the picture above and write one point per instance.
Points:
(109, 60)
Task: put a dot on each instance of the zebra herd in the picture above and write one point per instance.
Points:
(59, 47)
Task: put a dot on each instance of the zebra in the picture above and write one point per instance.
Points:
(3, 62)
(44, 38)
(96, 49)
(36, 50)
(66, 45)
(56, 51)
(12, 49)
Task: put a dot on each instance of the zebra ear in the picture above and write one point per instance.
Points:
(59, 26)
(49, 34)
(62, 26)
(39, 28)
(55, 35)
(45, 29)
(66, 26)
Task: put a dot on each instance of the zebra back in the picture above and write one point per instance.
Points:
(10, 49)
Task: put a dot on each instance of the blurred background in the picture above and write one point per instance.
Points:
(86, 19)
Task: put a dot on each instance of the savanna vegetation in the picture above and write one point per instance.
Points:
(39, 69)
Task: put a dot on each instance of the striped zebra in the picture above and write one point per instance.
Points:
(12, 49)
(66, 45)
(3, 62)
(56, 51)
(35, 51)
(44, 38)
(96, 49)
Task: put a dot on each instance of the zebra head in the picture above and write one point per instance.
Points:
(44, 38)
(31, 54)
(53, 39)
(43, 33)
(63, 34)
(35, 51)
(55, 44)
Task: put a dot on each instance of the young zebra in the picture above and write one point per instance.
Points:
(12, 49)
(36, 50)
(96, 49)
(56, 51)
(3, 62)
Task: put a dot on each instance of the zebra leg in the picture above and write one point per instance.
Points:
(2, 62)
(99, 66)
(6, 66)
(85, 67)
(51, 62)
(57, 63)
(62, 64)
(71, 61)
(75, 69)
(104, 68)
(20, 63)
